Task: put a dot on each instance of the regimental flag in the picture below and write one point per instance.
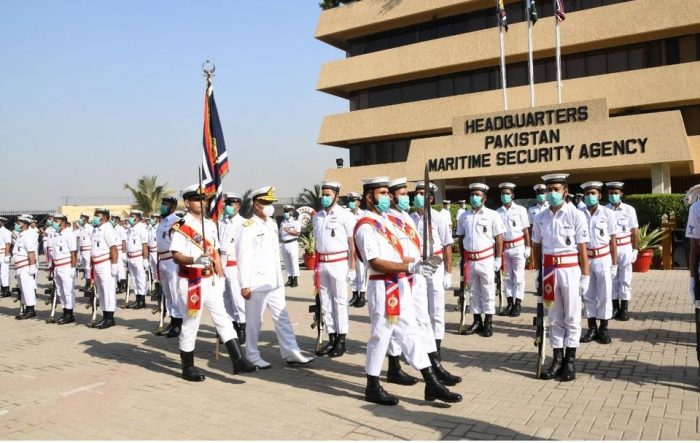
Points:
(502, 19)
(532, 10)
(559, 10)
(214, 160)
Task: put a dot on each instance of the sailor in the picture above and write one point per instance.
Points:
(540, 202)
(627, 249)
(64, 256)
(602, 258)
(480, 231)
(24, 254)
(462, 208)
(5, 252)
(580, 204)
(333, 227)
(120, 231)
(561, 234)
(194, 249)
(229, 233)
(84, 236)
(516, 248)
(137, 256)
(389, 297)
(167, 269)
(105, 264)
(152, 229)
(359, 284)
(260, 276)
(46, 239)
(445, 213)
(290, 229)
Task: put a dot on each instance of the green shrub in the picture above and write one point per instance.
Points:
(650, 208)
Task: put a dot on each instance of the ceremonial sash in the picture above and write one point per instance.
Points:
(407, 229)
(193, 275)
(549, 279)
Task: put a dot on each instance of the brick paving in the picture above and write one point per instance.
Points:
(72, 382)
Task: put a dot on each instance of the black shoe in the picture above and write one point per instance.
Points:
(240, 363)
(5, 292)
(516, 308)
(488, 329)
(361, 301)
(569, 365)
(354, 298)
(139, 303)
(603, 336)
(509, 307)
(624, 313)
(67, 317)
(176, 327)
(434, 390)
(189, 372)
(332, 338)
(169, 327)
(616, 309)
(339, 348)
(556, 369)
(288, 282)
(592, 333)
(241, 332)
(374, 393)
(29, 312)
(475, 327)
(107, 320)
(396, 375)
(295, 282)
(121, 286)
(441, 373)
(87, 285)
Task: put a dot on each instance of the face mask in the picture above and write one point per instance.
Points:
(591, 200)
(326, 201)
(131, 221)
(95, 221)
(268, 210)
(475, 201)
(56, 227)
(419, 200)
(286, 215)
(555, 198)
(383, 203)
(614, 198)
(113, 223)
(164, 210)
(352, 205)
(229, 211)
(18, 227)
(403, 203)
(81, 222)
(541, 198)
(506, 199)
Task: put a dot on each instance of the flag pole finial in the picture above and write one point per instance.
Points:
(208, 69)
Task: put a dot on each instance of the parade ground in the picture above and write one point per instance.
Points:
(123, 383)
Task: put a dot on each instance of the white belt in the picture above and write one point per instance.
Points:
(165, 255)
(598, 252)
(135, 254)
(622, 241)
(514, 243)
(333, 256)
(61, 262)
(565, 259)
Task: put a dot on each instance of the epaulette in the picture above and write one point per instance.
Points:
(248, 222)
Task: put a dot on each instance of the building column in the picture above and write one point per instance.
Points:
(440, 194)
(660, 178)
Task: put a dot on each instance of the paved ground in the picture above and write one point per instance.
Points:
(71, 382)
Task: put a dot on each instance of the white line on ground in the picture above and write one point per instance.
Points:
(87, 388)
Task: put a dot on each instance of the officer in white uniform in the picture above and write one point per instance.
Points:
(229, 232)
(580, 204)
(64, 256)
(445, 213)
(24, 258)
(167, 269)
(516, 248)
(462, 208)
(627, 250)
(389, 297)
(5, 252)
(120, 232)
(480, 231)
(602, 258)
(194, 248)
(260, 276)
(441, 240)
(561, 233)
(46, 238)
(152, 228)
(541, 202)
(84, 236)
(359, 284)
(137, 256)
(105, 265)
(333, 227)
(290, 229)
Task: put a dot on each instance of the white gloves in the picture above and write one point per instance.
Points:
(203, 260)
(426, 268)
(497, 263)
(613, 271)
(351, 275)
(583, 285)
(527, 252)
(32, 270)
(447, 281)
(634, 255)
(146, 265)
(7, 260)
(115, 269)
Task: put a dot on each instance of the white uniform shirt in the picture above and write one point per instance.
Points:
(626, 218)
(581, 205)
(409, 247)
(136, 237)
(480, 229)
(332, 229)
(601, 225)
(152, 238)
(103, 238)
(371, 244)
(535, 209)
(692, 228)
(47, 238)
(182, 244)
(63, 244)
(292, 223)
(229, 233)
(163, 237)
(85, 237)
(441, 233)
(515, 220)
(445, 213)
(121, 235)
(5, 238)
(559, 233)
(258, 255)
(26, 242)
(460, 211)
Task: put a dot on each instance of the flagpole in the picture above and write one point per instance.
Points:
(529, 55)
(503, 68)
(558, 51)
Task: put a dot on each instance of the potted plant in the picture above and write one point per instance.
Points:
(657, 259)
(308, 242)
(646, 240)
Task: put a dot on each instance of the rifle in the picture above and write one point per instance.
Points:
(539, 321)
(463, 307)
(499, 290)
(128, 292)
(161, 309)
(52, 299)
(316, 310)
(92, 292)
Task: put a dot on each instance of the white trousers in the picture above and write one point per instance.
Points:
(598, 299)
(436, 302)
(334, 295)
(290, 254)
(121, 261)
(27, 286)
(565, 313)
(86, 262)
(106, 286)
(65, 285)
(514, 276)
(622, 284)
(255, 307)
(4, 272)
(360, 282)
(212, 293)
(168, 284)
(423, 320)
(233, 300)
(482, 286)
(138, 275)
(153, 262)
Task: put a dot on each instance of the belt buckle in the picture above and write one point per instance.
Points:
(473, 256)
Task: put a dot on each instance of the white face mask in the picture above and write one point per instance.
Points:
(268, 210)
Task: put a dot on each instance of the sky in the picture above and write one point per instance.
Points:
(95, 94)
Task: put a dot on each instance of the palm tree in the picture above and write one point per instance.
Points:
(310, 197)
(148, 193)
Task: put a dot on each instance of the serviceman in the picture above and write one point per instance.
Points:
(105, 265)
(152, 229)
(85, 243)
(290, 230)
(390, 299)
(627, 250)
(24, 256)
(462, 208)
(580, 204)
(480, 232)
(167, 269)
(602, 259)
(561, 234)
(262, 285)
(137, 257)
(359, 284)
(46, 239)
(64, 256)
(516, 249)
(229, 233)
(440, 237)
(120, 231)
(445, 213)
(540, 202)
(333, 227)
(5, 252)
(194, 248)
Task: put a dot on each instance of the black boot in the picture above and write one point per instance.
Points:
(488, 330)
(288, 282)
(332, 338)
(509, 307)
(438, 343)
(616, 309)
(121, 285)
(295, 282)
(189, 372)
(107, 320)
(175, 329)
(339, 348)
(516, 308)
(569, 371)
(29, 312)
(434, 390)
(138, 303)
(5, 292)
(556, 368)
(353, 299)
(441, 373)
(396, 375)
(624, 313)
(67, 317)
(477, 326)
(240, 363)
(374, 393)
(87, 285)
(592, 333)
(603, 336)
(361, 300)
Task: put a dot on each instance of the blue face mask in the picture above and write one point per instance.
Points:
(403, 202)
(164, 210)
(506, 199)
(131, 221)
(352, 205)
(614, 198)
(541, 198)
(113, 223)
(95, 221)
(590, 200)
(326, 201)
(555, 198)
(56, 227)
(18, 227)
(475, 201)
(229, 211)
(81, 222)
(383, 203)
(286, 215)
(153, 222)
(419, 200)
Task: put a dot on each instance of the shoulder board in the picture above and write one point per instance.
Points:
(248, 222)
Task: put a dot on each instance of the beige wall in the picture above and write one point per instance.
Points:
(73, 211)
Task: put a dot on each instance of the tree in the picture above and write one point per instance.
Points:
(148, 194)
(310, 197)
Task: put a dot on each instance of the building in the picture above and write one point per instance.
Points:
(422, 79)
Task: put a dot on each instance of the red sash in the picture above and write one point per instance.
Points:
(407, 229)
(549, 279)
(193, 275)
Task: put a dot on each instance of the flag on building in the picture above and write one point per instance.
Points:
(214, 160)
(502, 18)
(559, 10)
(532, 10)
